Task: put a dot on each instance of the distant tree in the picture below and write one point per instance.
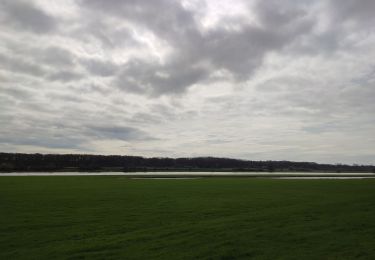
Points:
(83, 162)
(6, 167)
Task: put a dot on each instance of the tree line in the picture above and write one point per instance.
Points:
(10, 162)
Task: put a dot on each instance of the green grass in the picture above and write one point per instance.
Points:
(240, 218)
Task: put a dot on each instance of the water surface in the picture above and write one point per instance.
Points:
(173, 175)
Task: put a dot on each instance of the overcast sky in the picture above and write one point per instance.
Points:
(258, 80)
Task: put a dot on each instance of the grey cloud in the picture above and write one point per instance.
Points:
(65, 76)
(17, 92)
(64, 134)
(92, 88)
(240, 51)
(62, 97)
(7, 105)
(25, 67)
(124, 133)
(312, 100)
(38, 131)
(323, 43)
(279, 14)
(146, 118)
(243, 52)
(52, 63)
(141, 77)
(23, 15)
(46, 142)
(51, 55)
(55, 56)
(21, 65)
(340, 19)
(167, 19)
(360, 11)
(107, 35)
(100, 68)
(330, 126)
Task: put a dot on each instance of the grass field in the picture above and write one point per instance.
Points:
(116, 217)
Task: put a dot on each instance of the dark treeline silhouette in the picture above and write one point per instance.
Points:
(10, 162)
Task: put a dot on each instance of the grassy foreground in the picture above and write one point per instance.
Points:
(213, 218)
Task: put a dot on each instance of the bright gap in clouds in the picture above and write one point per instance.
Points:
(258, 80)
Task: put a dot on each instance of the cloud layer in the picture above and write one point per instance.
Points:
(248, 79)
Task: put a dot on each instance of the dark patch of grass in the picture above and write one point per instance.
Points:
(241, 218)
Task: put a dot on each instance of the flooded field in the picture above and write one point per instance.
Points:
(188, 175)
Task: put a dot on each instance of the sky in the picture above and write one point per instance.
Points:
(256, 80)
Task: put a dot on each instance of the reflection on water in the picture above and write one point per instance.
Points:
(173, 175)
(325, 177)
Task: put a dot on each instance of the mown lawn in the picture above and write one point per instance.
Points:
(213, 218)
